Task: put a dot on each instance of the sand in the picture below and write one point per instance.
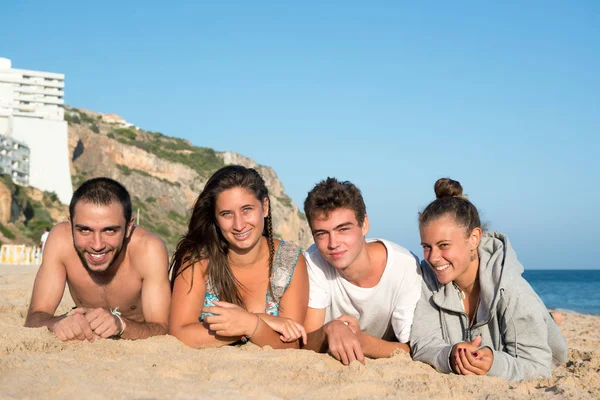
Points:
(34, 364)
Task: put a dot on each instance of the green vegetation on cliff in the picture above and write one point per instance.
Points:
(203, 160)
(32, 216)
(170, 227)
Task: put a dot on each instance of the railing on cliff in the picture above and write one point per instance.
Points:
(20, 254)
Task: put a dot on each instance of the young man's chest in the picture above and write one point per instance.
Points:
(124, 290)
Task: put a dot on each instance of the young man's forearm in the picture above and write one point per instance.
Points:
(316, 341)
(378, 348)
(37, 319)
(136, 330)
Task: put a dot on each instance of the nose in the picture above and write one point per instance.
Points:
(333, 243)
(432, 255)
(98, 242)
(238, 223)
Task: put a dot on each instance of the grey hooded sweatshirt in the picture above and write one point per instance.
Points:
(511, 319)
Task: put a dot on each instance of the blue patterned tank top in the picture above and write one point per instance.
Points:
(285, 261)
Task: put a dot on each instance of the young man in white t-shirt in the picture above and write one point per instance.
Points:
(363, 293)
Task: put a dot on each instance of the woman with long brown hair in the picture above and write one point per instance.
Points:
(231, 280)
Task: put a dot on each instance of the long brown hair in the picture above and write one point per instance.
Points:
(204, 241)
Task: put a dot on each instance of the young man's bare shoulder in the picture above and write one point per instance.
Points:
(144, 244)
(62, 228)
(142, 239)
(61, 234)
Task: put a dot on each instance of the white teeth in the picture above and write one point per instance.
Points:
(97, 256)
(441, 267)
(241, 235)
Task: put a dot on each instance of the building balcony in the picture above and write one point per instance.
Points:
(39, 90)
(41, 114)
(16, 79)
(50, 100)
(45, 83)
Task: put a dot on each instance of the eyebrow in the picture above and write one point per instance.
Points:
(245, 205)
(438, 242)
(112, 227)
(345, 224)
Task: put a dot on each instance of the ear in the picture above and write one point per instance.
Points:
(365, 226)
(475, 238)
(265, 206)
(130, 227)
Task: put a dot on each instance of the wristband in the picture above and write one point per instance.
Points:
(117, 314)
(246, 339)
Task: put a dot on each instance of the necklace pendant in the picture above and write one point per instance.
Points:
(461, 293)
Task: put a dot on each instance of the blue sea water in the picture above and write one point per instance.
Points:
(567, 290)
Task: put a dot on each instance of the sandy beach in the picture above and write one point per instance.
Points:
(33, 364)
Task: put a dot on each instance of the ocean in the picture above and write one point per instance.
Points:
(567, 290)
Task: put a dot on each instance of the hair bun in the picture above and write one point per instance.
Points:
(446, 187)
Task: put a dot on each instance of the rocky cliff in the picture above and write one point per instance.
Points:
(26, 211)
(165, 175)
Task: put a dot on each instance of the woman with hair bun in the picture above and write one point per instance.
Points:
(231, 279)
(477, 315)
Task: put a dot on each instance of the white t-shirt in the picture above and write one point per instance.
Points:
(385, 310)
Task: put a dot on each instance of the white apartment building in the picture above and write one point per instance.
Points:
(14, 160)
(31, 112)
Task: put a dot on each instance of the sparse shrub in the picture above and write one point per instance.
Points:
(285, 201)
(126, 133)
(85, 118)
(163, 231)
(124, 169)
(6, 232)
(72, 118)
(50, 197)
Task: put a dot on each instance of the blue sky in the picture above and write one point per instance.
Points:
(502, 96)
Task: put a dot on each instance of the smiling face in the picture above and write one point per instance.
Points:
(241, 217)
(99, 232)
(450, 250)
(339, 237)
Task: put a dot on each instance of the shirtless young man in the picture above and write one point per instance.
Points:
(117, 272)
(363, 293)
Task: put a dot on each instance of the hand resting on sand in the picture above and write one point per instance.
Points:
(74, 327)
(103, 322)
(343, 340)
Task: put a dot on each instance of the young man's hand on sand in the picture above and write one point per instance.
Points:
(74, 327)
(343, 342)
(104, 323)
